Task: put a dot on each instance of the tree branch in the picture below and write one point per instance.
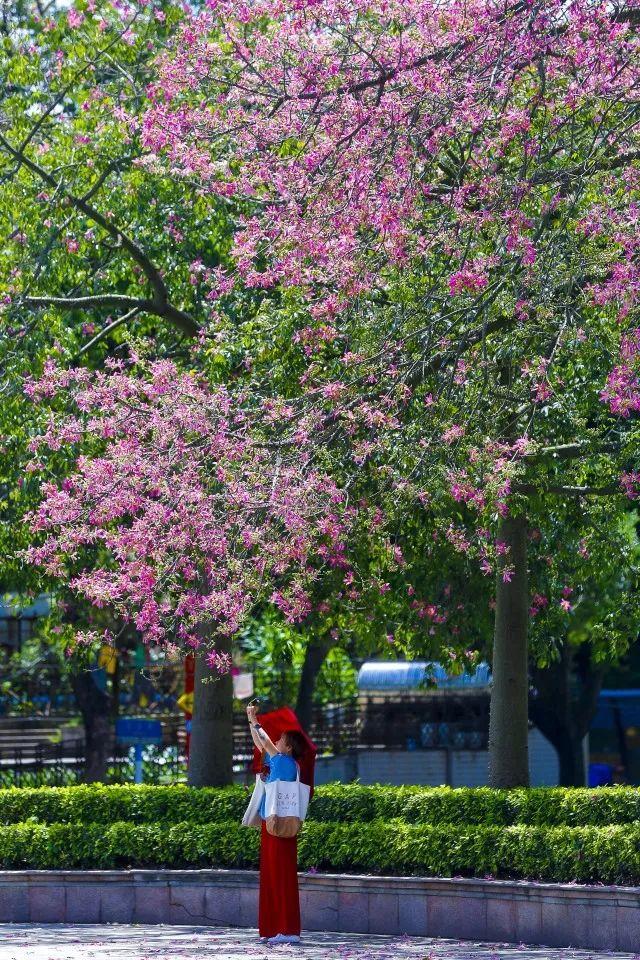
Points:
(469, 340)
(82, 303)
(107, 330)
(569, 491)
(161, 306)
(571, 451)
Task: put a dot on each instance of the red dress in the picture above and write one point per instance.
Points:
(279, 910)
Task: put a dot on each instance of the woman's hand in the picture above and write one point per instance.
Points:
(259, 736)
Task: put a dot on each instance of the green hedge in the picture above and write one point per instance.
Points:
(106, 804)
(564, 854)
(336, 803)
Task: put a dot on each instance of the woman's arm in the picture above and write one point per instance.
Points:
(258, 734)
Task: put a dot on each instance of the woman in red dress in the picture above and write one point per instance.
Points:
(279, 907)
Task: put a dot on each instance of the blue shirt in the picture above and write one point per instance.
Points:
(281, 767)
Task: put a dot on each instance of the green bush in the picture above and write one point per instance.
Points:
(564, 854)
(136, 804)
(335, 803)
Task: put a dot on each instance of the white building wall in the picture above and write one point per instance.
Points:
(468, 768)
(343, 768)
(422, 767)
(544, 769)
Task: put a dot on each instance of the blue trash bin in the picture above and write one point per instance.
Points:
(600, 774)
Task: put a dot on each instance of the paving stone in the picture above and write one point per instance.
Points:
(529, 921)
(383, 913)
(555, 924)
(222, 905)
(605, 928)
(580, 925)
(319, 909)
(412, 914)
(628, 924)
(248, 913)
(457, 916)
(183, 942)
(117, 903)
(151, 903)
(186, 904)
(501, 919)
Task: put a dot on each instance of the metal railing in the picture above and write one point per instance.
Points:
(44, 764)
(335, 730)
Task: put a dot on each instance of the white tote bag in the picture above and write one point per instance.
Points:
(252, 816)
(286, 806)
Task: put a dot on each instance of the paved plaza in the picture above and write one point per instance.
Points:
(140, 942)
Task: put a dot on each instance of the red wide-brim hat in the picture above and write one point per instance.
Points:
(278, 722)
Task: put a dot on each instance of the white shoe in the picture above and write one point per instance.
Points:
(283, 938)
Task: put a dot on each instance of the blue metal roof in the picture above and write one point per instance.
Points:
(404, 675)
(620, 694)
(626, 702)
(10, 607)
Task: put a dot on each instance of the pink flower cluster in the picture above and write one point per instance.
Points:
(179, 514)
(339, 124)
(357, 140)
(622, 390)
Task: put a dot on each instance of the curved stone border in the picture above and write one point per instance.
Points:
(559, 915)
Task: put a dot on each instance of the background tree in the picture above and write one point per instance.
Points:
(445, 204)
(575, 642)
(90, 257)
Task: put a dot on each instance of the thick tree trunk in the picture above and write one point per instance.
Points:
(211, 752)
(564, 704)
(509, 720)
(571, 761)
(315, 656)
(95, 708)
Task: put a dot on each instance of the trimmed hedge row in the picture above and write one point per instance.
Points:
(561, 854)
(336, 803)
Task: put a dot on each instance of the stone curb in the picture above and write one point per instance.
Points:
(557, 915)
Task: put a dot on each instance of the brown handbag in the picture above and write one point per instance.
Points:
(283, 827)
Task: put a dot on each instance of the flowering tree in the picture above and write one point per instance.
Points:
(182, 510)
(446, 199)
(89, 238)
(90, 251)
(198, 514)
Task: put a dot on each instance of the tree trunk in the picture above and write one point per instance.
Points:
(315, 655)
(95, 708)
(564, 705)
(508, 719)
(571, 761)
(211, 752)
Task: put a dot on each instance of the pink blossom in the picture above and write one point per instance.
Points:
(75, 18)
(194, 517)
(220, 662)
